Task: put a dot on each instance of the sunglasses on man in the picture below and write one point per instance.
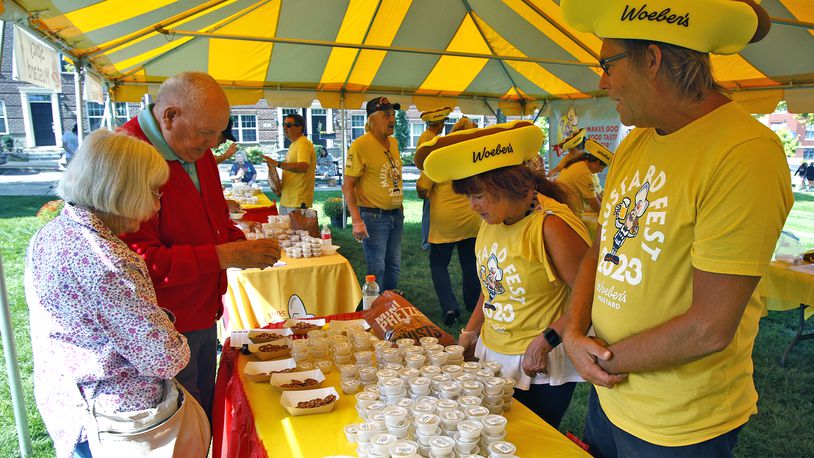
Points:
(289, 125)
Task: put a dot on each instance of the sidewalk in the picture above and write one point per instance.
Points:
(39, 178)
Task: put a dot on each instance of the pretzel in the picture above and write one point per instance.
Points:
(294, 383)
(302, 326)
(266, 337)
(318, 402)
(272, 348)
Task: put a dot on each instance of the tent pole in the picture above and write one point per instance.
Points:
(344, 154)
(78, 80)
(13, 370)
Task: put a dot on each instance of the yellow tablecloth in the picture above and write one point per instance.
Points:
(786, 289)
(323, 435)
(262, 201)
(326, 285)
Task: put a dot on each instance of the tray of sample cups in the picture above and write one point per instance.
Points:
(425, 398)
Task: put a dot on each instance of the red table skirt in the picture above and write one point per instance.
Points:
(260, 214)
(234, 435)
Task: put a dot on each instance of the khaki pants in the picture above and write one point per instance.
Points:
(177, 427)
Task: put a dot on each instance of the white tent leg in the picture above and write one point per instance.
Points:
(13, 370)
(344, 154)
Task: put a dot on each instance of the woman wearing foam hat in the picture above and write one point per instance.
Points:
(572, 144)
(528, 249)
(579, 179)
(694, 202)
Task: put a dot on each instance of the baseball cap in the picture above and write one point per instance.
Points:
(380, 104)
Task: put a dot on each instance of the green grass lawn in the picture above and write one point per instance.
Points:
(786, 408)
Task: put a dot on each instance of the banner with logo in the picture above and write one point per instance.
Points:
(94, 89)
(35, 62)
(598, 116)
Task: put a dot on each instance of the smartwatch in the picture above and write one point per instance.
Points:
(552, 337)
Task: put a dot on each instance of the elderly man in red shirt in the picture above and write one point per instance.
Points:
(191, 241)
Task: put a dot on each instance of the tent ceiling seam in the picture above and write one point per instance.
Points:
(522, 100)
(234, 17)
(359, 51)
(561, 29)
(433, 52)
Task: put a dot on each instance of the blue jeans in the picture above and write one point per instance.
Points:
(608, 441)
(440, 255)
(82, 450)
(383, 246)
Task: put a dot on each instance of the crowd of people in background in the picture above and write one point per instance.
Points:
(652, 302)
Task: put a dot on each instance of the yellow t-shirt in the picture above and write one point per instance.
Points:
(712, 196)
(451, 219)
(426, 136)
(518, 280)
(379, 184)
(580, 184)
(299, 187)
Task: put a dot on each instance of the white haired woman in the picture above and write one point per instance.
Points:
(104, 353)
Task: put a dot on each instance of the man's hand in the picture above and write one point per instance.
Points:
(360, 231)
(249, 253)
(535, 360)
(584, 353)
(468, 341)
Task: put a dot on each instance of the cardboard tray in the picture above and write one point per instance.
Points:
(254, 334)
(281, 379)
(261, 372)
(293, 321)
(289, 400)
(267, 355)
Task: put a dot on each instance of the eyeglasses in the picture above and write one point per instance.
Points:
(289, 125)
(604, 62)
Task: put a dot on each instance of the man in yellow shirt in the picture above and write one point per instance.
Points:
(694, 202)
(297, 184)
(373, 191)
(436, 120)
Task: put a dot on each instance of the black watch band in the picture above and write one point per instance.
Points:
(552, 337)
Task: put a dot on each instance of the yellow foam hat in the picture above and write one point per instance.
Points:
(436, 115)
(714, 26)
(573, 140)
(595, 149)
(466, 153)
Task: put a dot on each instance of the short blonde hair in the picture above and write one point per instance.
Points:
(114, 174)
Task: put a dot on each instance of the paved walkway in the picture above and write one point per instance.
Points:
(39, 178)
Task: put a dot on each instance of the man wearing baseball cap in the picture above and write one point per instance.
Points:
(373, 191)
(694, 202)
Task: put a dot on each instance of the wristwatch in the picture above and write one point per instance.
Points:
(552, 337)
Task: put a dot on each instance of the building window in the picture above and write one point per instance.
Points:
(810, 132)
(450, 123)
(4, 123)
(808, 154)
(357, 126)
(96, 114)
(122, 113)
(244, 128)
(416, 129)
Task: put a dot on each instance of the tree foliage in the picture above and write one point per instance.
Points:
(402, 130)
(789, 140)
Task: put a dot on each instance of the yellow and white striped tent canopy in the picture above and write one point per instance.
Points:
(477, 54)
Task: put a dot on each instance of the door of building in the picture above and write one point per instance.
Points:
(42, 119)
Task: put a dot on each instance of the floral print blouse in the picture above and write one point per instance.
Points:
(96, 328)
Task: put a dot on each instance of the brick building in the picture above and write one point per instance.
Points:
(804, 132)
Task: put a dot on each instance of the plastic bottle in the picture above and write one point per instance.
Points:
(370, 292)
(326, 235)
